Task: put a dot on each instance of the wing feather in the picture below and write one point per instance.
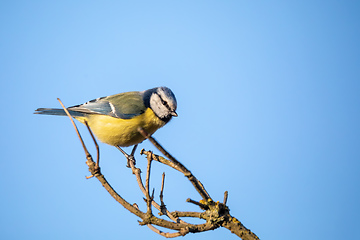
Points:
(123, 105)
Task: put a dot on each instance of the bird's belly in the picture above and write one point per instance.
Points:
(123, 132)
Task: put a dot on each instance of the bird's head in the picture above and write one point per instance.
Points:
(163, 103)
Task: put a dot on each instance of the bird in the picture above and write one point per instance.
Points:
(115, 119)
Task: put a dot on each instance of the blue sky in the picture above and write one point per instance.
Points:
(268, 104)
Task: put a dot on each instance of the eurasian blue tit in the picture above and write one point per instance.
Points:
(115, 119)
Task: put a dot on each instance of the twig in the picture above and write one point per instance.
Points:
(203, 206)
(147, 186)
(147, 182)
(226, 194)
(162, 206)
(187, 214)
(95, 142)
(76, 129)
(164, 234)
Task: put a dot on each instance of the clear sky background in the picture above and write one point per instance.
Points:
(268, 101)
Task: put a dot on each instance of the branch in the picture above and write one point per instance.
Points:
(216, 214)
(144, 216)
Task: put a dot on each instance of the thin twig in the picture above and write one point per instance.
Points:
(203, 206)
(147, 181)
(147, 184)
(162, 206)
(152, 194)
(226, 194)
(162, 150)
(96, 144)
(164, 234)
(76, 129)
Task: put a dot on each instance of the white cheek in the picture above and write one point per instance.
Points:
(155, 104)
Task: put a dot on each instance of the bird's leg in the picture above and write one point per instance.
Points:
(133, 150)
(132, 156)
(128, 157)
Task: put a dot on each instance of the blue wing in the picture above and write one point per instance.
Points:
(123, 105)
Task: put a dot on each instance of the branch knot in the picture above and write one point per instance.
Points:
(217, 213)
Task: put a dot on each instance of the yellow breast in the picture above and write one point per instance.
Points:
(122, 132)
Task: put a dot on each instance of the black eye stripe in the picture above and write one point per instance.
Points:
(164, 102)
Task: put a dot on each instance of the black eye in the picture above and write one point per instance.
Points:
(163, 102)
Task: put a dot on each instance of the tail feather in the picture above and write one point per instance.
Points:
(57, 111)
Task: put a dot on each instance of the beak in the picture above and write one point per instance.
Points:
(174, 114)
